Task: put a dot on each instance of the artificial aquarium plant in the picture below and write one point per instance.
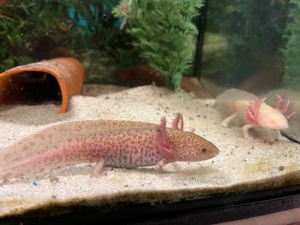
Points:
(31, 31)
(163, 32)
(291, 51)
(25, 28)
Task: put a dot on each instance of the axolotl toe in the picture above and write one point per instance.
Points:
(125, 144)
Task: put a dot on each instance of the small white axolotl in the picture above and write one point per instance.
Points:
(254, 111)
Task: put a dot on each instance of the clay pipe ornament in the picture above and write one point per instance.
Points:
(54, 79)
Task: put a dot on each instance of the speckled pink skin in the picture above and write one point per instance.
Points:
(124, 144)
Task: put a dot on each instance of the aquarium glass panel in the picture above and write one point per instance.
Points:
(252, 45)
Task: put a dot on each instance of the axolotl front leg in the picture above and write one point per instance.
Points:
(258, 114)
(125, 144)
(163, 142)
(173, 144)
(164, 146)
(178, 145)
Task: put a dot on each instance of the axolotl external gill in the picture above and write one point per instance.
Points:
(125, 144)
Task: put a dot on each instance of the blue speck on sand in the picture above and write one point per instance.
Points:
(34, 183)
(198, 115)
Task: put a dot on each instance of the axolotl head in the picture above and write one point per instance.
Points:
(273, 119)
(187, 146)
(258, 112)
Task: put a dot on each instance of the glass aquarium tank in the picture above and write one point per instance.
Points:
(149, 111)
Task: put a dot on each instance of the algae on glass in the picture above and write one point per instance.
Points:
(250, 37)
(291, 52)
(164, 34)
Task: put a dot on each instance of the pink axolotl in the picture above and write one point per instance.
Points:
(125, 144)
(254, 111)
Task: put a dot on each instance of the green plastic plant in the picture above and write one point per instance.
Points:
(291, 52)
(163, 33)
(35, 30)
(23, 24)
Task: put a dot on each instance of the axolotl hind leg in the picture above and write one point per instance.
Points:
(245, 130)
(226, 121)
(98, 169)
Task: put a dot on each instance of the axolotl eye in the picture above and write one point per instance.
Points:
(193, 148)
(203, 152)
